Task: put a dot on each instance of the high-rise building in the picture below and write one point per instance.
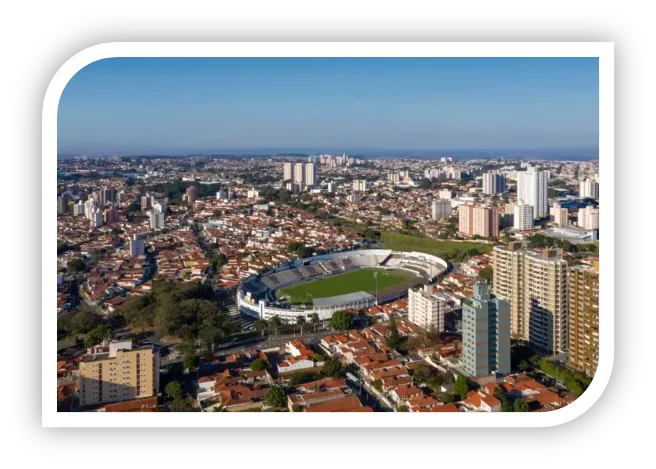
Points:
(354, 198)
(310, 174)
(560, 214)
(440, 209)
(156, 219)
(523, 216)
(494, 183)
(588, 218)
(360, 185)
(287, 172)
(331, 187)
(485, 333)
(253, 193)
(446, 194)
(78, 209)
(535, 284)
(481, 220)
(146, 202)
(192, 194)
(117, 371)
(583, 295)
(96, 217)
(589, 188)
(299, 175)
(393, 177)
(532, 190)
(136, 246)
(62, 204)
(425, 309)
(110, 215)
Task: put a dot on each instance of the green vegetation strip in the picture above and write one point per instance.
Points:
(438, 247)
(342, 284)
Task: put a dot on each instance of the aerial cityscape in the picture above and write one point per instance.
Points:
(240, 261)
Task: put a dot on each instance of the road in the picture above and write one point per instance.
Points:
(272, 342)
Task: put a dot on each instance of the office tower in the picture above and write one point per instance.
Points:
(440, 209)
(192, 194)
(354, 198)
(360, 185)
(146, 202)
(560, 214)
(287, 172)
(535, 284)
(583, 295)
(523, 216)
(136, 246)
(532, 190)
(494, 183)
(331, 187)
(117, 371)
(588, 218)
(481, 220)
(62, 204)
(425, 309)
(446, 194)
(485, 333)
(299, 175)
(310, 174)
(589, 188)
(156, 219)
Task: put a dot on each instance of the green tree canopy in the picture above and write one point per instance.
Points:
(341, 320)
(333, 367)
(520, 406)
(461, 388)
(486, 274)
(174, 390)
(259, 364)
(275, 397)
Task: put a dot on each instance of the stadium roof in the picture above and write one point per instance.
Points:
(341, 299)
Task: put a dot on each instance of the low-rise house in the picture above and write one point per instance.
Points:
(482, 402)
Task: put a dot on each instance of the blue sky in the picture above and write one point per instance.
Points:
(187, 105)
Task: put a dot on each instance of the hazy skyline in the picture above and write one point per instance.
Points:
(210, 105)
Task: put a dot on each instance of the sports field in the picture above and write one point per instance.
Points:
(358, 280)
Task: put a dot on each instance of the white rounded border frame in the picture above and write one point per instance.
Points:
(603, 50)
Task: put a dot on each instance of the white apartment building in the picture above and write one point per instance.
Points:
(523, 216)
(299, 174)
(440, 209)
(287, 172)
(589, 188)
(532, 190)
(560, 214)
(426, 310)
(588, 218)
(310, 174)
(156, 219)
(136, 246)
(445, 194)
(360, 185)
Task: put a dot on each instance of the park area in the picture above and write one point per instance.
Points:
(445, 249)
(342, 284)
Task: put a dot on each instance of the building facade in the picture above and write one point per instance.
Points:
(523, 216)
(494, 183)
(560, 214)
(310, 174)
(485, 333)
(532, 190)
(426, 310)
(287, 172)
(299, 174)
(589, 188)
(116, 371)
(136, 246)
(588, 218)
(583, 293)
(440, 209)
(481, 220)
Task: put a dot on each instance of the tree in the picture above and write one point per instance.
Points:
(300, 377)
(446, 397)
(523, 365)
(395, 341)
(275, 323)
(82, 321)
(259, 364)
(319, 358)
(506, 405)
(402, 408)
(422, 374)
(341, 320)
(180, 405)
(535, 361)
(520, 406)
(174, 390)
(97, 335)
(333, 367)
(300, 321)
(275, 397)
(461, 388)
(190, 360)
(314, 319)
(261, 326)
(486, 274)
(378, 384)
(297, 408)
(76, 265)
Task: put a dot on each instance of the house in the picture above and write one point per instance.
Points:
(295, 364)
(482, 402)
(138, 405)
(419, 403)
(345, 404)
(405, 392)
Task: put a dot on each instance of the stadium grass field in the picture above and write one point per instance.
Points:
(357, 280)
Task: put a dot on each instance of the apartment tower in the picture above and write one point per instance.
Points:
(583, 293)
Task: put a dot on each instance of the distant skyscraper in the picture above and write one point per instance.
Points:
(485, 333)
(440, 209)
(494, 183)
(310, 174)
(136, 246)
(287, 172)
(588, 218)
(425, 309)
(589, 188)
(532, 190)
(523, 216)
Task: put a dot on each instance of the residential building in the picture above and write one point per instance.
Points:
(589, 188)
(481, 220)
(583, 293)
(299, 175)
(331, 187)
(310, 174)
(62, 204)
(354, 198)
(532, 190)
(493, 183)
(588, 218)
(485, 333)
(560, 214)
(535, 284)
(287, 172)
(360, 185)
(445, 194)
(136, 246)
(156, 219)
(253, 194)
(425, 309)
(523, 216)
(117, 371)
(146, 202)
(440, 209)
(191, 194)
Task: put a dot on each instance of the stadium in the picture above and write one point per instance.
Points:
(331, 282)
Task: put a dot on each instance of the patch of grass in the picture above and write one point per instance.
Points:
(358, 280)
(438, 247)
